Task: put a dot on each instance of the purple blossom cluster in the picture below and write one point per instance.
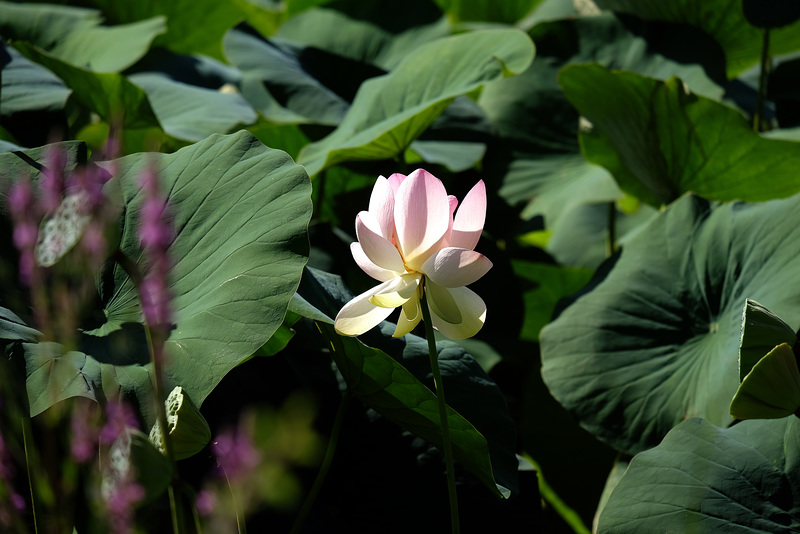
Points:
(25, 213)
(83, 187)
(156, 236)
(119, 417)
(83, 445)
(120, 503)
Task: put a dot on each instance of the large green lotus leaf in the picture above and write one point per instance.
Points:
(107, 94)
(12, 328)
(375, 33)
(538, 155)
(656, 341)
(190, 112)
(389, 388)
(580, 237)
(193, 26)
(29, 162)
(28, 86)
(771, 390)
(278, 80)
(723, 20)
(456, 140)
(55, 374)
(701, 478)
(75, 35)
(109, 49)
(44, 25)
(546, 285)
(241, 212)
(659, 140)
(391, 111)
(393, 377)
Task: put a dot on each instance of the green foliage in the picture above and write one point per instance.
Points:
(664, 324)
(672, 142)
(632, 212)
(745, 477)
(389, 112)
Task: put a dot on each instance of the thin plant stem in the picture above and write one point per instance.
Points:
(156, 344)
(762, 83)
(28, 469)
(437, 380)
(326, 464)
(611, 241)
(173, 508)
(241, 527)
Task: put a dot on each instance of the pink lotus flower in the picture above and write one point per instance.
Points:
(410, 241)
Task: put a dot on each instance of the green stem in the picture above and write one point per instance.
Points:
(28, 468)
(762, 83)
(156, 345)
(611, 242)
(437, 380)
(241, 526)
(326, 464)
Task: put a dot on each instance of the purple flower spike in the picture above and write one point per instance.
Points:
(120, 505)
(84, 442)
(156, 236)
(119, 417)
(52, 179)
(25, 214)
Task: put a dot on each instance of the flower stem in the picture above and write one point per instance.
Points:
(437, 380)
(155, 342)
(25, 428)
(758, 120)
(326, 464)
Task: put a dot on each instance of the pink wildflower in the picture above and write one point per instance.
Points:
(156, 236)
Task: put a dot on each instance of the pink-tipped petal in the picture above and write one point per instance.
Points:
(469, 219)
(378, 249)
(455, 267)
(442, 302)
(410, 316)
(395, 180)
(363, 261)
(359, 315)
(397, 292)
(453, 204)
(421, 215)
(473, 315)
(381, 206)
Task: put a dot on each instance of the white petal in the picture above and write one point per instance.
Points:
(421, 216)
(378, 249)
(410, 316)
(397, 292)
(442, 302)
(381, 206)
(455, 267)
(395, 180)
(359, 315)
(473, 315)
(363, 261)
(470, 218)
